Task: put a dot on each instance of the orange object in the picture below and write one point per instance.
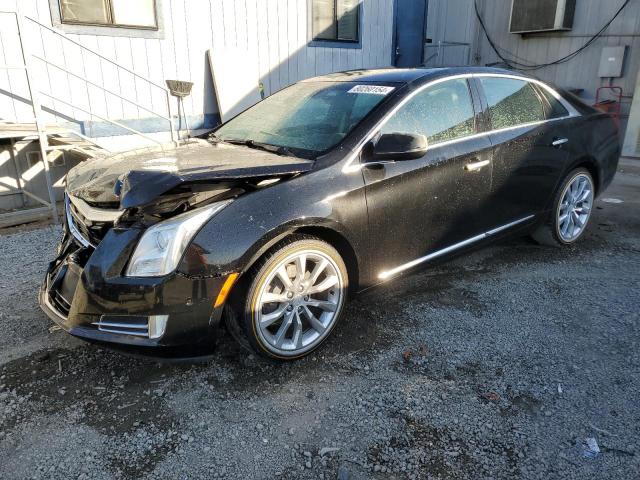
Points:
(226, 288)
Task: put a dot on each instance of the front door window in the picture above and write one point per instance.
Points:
(442, 112)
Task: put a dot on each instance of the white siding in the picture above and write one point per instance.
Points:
(275, 30)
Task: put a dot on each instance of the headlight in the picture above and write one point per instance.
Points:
(162, 245)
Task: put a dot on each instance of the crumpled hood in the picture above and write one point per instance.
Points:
(137, 177)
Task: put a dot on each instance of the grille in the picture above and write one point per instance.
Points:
(152, 327)
(88, 224)
(59, 302)
(91, 232)
(127, 325)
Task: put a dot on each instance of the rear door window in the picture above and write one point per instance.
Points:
(441, 112)
(511, 102)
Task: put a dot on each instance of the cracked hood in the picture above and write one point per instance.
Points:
(138, 177)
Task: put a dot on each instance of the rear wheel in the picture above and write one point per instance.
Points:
(294, 298)
(571, 211)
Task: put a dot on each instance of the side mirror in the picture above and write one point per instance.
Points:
(400, 146)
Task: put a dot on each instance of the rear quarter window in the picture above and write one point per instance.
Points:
(556, 109)
(511, 102)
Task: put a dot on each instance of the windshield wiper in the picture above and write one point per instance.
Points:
(268, 147)
(277, 149)
(213, 138)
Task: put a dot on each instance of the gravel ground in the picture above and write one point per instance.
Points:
(499, 364)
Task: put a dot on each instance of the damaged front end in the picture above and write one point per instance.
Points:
(116, 277)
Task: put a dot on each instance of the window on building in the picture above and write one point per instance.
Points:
(336, 20)
(511, 102)
(113, 13)
(442, 112)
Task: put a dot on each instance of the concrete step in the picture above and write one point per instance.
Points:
(20, 217)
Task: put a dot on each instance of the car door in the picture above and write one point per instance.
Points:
(529, 150)
(420, 206)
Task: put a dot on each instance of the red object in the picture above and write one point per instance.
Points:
(610, 106)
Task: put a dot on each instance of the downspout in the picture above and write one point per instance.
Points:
(424, 31)
(477, 46)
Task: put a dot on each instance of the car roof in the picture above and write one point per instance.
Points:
(405, 75)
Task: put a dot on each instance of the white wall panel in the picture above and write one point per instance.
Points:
(275, 32)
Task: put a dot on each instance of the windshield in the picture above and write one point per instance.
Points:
(306, 118)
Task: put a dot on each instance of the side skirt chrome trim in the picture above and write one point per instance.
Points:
(389, 273)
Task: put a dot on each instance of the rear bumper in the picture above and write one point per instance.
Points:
(84, 289)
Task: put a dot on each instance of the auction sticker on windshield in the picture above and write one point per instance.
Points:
(372, 89)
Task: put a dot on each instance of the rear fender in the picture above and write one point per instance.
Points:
(596, 147)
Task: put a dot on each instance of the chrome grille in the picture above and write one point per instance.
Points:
(129, 325)
(72, 224)
(151, 327)
(87, 224)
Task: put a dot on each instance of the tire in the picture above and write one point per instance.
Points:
(556, 230)
(273, 316)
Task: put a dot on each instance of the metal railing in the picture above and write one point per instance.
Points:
(447, 54)
(35, 92)
(84, 51)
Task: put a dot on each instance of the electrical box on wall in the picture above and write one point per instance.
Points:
(611, 62)
(529, 16)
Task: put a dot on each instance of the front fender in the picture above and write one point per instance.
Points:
(597, 146)
(233, 239)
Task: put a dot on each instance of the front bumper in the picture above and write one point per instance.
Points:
(85, 288)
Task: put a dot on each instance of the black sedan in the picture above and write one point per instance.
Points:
(329, 187)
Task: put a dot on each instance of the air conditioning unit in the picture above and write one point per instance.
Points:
(529, 16)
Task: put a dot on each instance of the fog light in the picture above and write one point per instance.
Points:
(157, 325)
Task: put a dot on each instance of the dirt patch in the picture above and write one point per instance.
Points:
(115, 395)
(497, 364)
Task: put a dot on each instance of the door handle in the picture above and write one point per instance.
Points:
(558, 142)
(475, 166)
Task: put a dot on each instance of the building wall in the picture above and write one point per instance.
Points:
(631, 146)
(274, 31)
(455, 21)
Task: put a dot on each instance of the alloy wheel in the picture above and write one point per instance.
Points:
(299, 302)
(575, 208)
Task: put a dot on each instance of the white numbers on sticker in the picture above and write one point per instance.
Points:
(372, 89)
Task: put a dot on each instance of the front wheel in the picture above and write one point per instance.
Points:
(571, 211)
(294, 298)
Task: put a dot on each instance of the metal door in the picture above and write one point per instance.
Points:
(409, 32)
(529, 152)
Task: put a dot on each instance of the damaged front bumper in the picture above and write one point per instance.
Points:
(86, 293)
